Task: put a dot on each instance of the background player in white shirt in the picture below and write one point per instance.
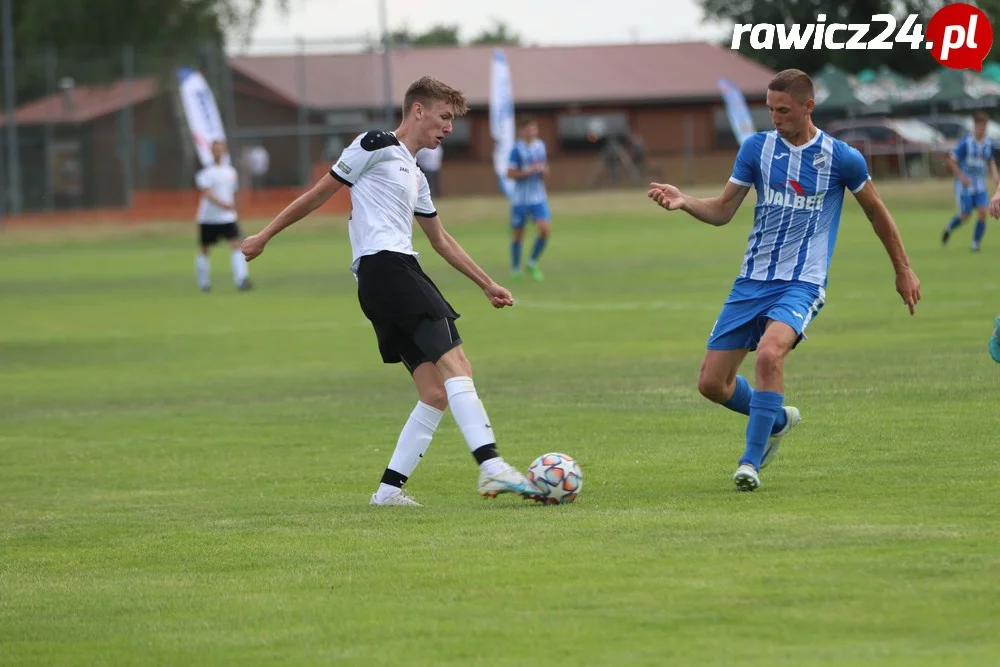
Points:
(217, 218)
(413, 323)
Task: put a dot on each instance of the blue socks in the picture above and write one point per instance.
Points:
(536, 251)
(955, 222)
(977, 236)
(742, 400)
(515, 255)
(764, 409)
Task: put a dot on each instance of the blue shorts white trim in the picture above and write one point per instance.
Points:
(519, 213)
(969, 200)
(750, 305)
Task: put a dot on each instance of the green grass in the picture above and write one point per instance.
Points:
(184, 478)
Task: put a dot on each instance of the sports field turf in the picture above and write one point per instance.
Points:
(184, 477)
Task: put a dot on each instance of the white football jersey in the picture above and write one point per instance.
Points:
(387, 190)
(222, 181)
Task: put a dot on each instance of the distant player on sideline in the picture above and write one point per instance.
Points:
(800, 174)
(413, 323)
(528, 167)
(969, 160)
(217, 218)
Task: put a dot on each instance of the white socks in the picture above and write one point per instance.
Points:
(469, 413)
(413, 441)
(204, 271)
(239, 263)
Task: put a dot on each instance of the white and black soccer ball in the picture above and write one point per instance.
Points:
(557, 476)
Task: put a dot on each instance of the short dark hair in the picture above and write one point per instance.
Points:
(981, 117)
(525, 121)
(427, 90)
(795, 82)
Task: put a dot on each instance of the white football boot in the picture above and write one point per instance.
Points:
(792, 417)
(746, 478)
(506, 480)
(397, 499)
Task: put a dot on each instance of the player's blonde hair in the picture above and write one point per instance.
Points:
(795, 82)
(427, 90)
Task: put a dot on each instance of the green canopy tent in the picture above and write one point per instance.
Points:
(840, 94)
(948, 90)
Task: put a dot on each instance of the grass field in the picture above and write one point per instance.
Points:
(184, 477)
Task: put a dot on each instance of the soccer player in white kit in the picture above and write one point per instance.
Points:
(218, 218)
(413, 322)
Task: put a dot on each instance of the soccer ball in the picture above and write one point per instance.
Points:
(557, 476)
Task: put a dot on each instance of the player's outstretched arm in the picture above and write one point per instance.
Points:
(305, 204)
(446, 246)
(716, 211)
(907, 283)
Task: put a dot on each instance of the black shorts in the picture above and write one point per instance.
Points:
(413, 322)
(209, 233)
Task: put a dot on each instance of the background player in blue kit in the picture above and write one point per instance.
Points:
(969, 160)
(528, 167)
(800, 174)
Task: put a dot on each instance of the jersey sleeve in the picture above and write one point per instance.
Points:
(203, 179)
(514, 160)
(853, 169)
(544, 151)
(961, 150)
(747, 163)
(425, 205)
(353, 162)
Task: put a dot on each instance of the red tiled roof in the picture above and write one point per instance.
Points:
(540, 75)
(84, 103)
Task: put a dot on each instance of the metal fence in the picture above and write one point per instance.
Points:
(90, 131)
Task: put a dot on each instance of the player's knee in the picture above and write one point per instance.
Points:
(769, 360)
(712, 387)
(454, 363)
(436, 397)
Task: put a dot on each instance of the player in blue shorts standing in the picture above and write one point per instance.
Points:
(528, 167)
(995, 339)
(969, 161)
(800, 174)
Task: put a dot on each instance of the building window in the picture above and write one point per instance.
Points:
(590, 131)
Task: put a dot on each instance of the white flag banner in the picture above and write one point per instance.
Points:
(201, 112)
(736, 109)
(502, 119)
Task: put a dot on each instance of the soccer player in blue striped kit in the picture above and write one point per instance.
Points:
(800, 174)
(971, 158)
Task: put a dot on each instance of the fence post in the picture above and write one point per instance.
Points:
(688, 149)
(10, 97)
(51, 86)
(127, 132)
(303, 116)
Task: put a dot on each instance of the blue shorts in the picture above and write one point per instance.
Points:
(519, 213)
(969, 200)
(752, 303)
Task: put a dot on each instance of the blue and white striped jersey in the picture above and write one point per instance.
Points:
(800, 194)
(531, 190)
(973, 158)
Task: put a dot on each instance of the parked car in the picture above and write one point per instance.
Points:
(904, 146)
